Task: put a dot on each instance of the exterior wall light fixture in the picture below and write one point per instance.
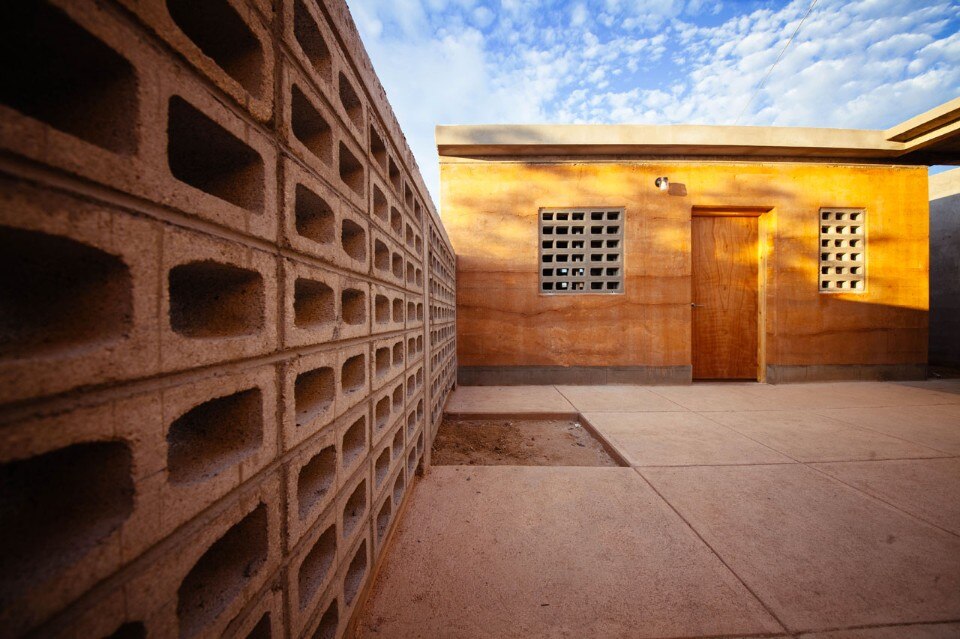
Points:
(662, 183)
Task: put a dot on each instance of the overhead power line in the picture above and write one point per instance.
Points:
(770, 70)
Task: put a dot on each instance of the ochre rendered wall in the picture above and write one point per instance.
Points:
(490, 210)
(225, 319)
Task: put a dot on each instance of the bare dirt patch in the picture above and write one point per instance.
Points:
(517, 442)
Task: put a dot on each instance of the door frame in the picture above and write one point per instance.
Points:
(765, 221)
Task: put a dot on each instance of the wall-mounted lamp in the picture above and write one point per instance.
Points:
(662, 183)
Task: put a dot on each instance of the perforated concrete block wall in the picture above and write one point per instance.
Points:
(226, 319)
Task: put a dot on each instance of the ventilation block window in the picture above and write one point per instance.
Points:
(581, 251)
(842, 250)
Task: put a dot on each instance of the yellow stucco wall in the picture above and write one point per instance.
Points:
(490, 211)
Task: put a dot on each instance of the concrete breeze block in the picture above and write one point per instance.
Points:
(102, 134)
(263, 619)
(353, 439)
(81, 490)
(389, 309)
(218, 300)
(312, 568)
(308, 126)
(225, 40)
(80, 283)
(319, 223)
(221, 254)
(386, 361)
(313, 480)
(218, 433)
(353, 376)
(353, 506)
(204, 580)
(310, 389)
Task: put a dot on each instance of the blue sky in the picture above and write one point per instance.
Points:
(854, 64)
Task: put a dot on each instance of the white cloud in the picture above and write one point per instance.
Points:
(860, 63)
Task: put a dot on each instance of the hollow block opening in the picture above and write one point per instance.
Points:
(396, 220)
(354, 442)
(394, 174)
(57, 506)
(57, 72)
(381, 256)
(356, 572)
(383, 519)
(263, 629)
(382, 361)
(397, 446)
(316, 565)
(354, 240)
(210, 299)
(314, 217)
(398, 398)
(354, 509)
(313, 393)
(329, 622)
(353, 304)
(381, 309)
(316, 479)
(130, 630)
(377, 148)
(214, 436)
(222, 573)
(350, 101)
(308, 36)
(312, 303)
(396, 263)
(59, 295)
(351, 170)
(310, 127)
(381, 467)
(398, 487)
(219, 31)
(352, 374)
(206, 156)
(381, 413)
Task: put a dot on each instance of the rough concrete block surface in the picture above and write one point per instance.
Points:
(313, 567)
(313, 480)
(218, 300)
(226, 41)
(218, 433)
(310, 385)
(200, 360)
(81, 290)
(81, 495)
(263, 619)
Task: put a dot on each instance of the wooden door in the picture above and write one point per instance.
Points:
(725, 297)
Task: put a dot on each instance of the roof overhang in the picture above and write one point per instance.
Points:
(930, 138)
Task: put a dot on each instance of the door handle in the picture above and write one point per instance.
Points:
(692, 305)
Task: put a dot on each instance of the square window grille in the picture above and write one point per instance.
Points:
(843, 265)
(581, 251)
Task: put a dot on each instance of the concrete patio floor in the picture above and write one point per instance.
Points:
(813, 510)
